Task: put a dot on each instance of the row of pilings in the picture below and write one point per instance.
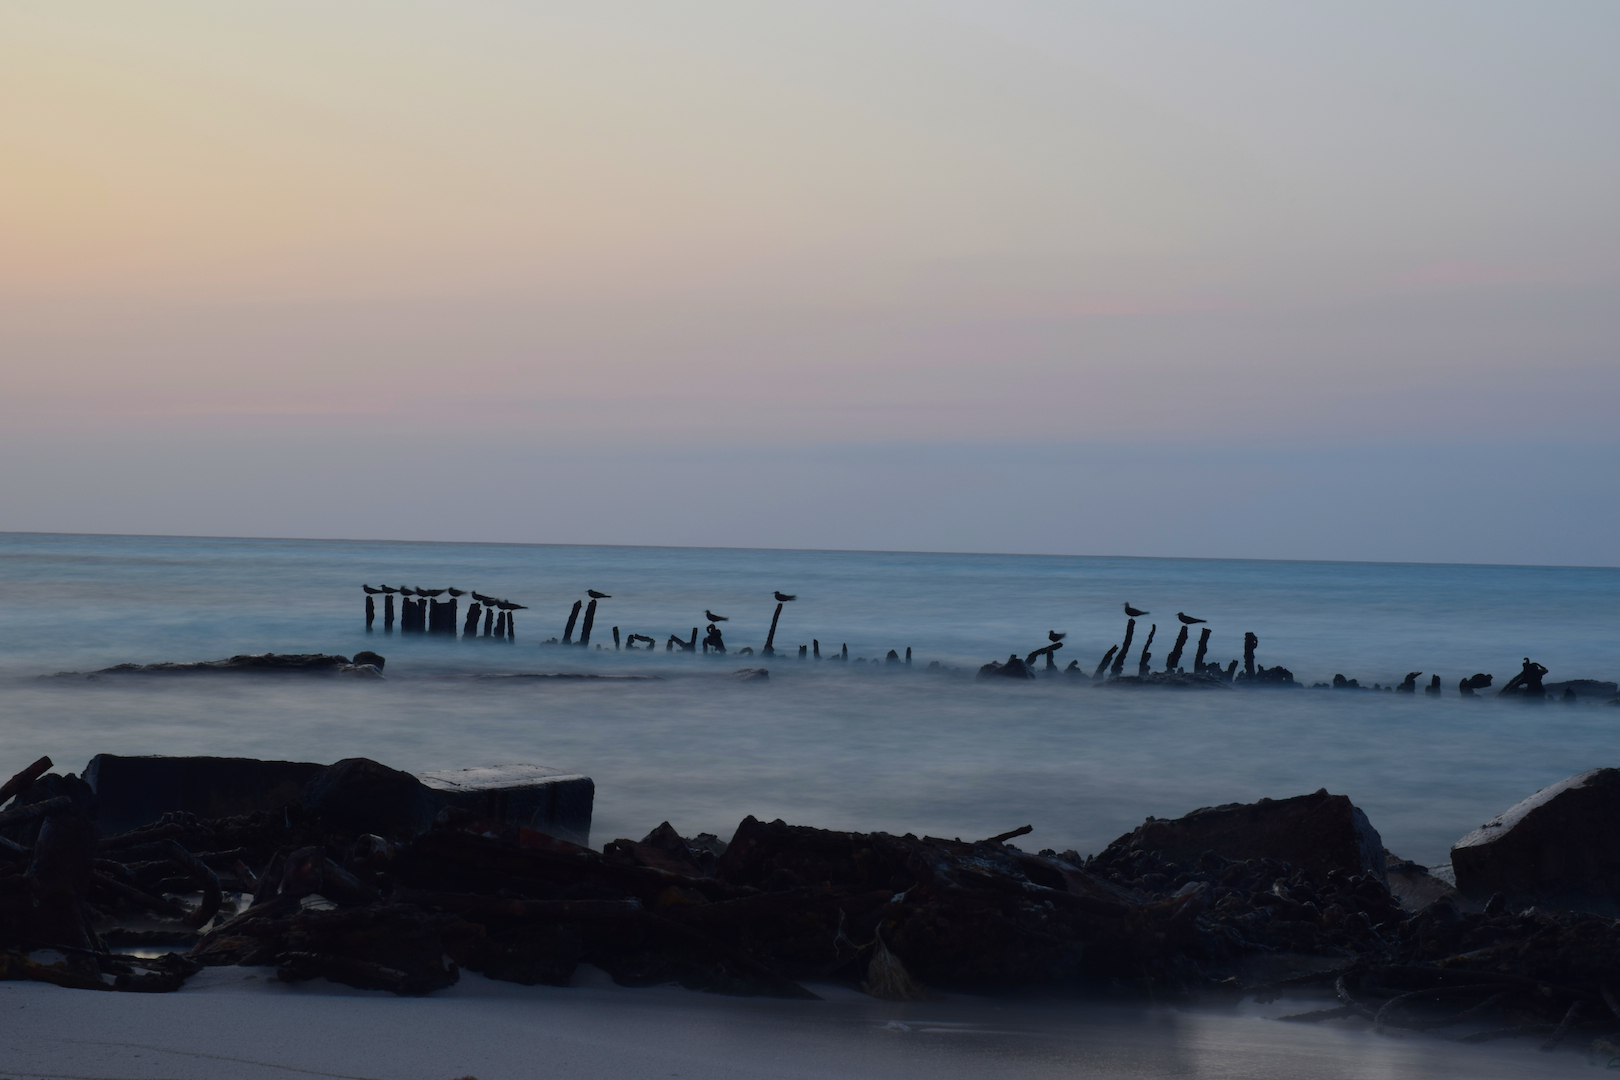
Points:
(429, 615)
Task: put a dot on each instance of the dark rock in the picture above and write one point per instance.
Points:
(1014, 668)
(367, 657)
(135, 791)
(358, 795)
(1560, 846)
(259, 663)
(1583, 688)
(529, 796)
(1318, 832)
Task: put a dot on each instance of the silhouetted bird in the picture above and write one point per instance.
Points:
(713, 617)
(389, 590)
(783, 597)
(1056, 635)
(406, 590)
(481, 598)
(372, 592)
(1188, 620)
(507, 605)
(456, 592)
(594, 595)
(1133, 612)
(429, 592)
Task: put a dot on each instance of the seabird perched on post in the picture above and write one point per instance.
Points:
(1056, 635)
(406, 590)
(507, 605)
(1188, 620)
(782, 597)
(715, 618)
(594, 595)
(456, 592)
(481, 598)
(1134, 613)
(372, 592)
(386, 589)
(429, 592)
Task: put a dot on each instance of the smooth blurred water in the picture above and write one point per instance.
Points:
(849, 746)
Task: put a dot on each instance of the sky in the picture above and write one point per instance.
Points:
(1241, 280)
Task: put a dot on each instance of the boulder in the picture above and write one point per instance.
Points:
(530, 796)
(135, 791)
(358, 795)
(1318, 832)
(1559, 847)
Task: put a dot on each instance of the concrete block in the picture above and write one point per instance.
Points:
(135, 791)
(532, 796)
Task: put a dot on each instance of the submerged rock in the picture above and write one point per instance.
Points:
(366, 664)
(1560, 846)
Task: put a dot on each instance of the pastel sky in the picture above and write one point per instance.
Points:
(1273, 279)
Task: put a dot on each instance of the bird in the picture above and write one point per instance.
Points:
(456, 592)
(1188, 620)
(782, 597)
(406, 590)
(481, 598)
(388, 589)
(1133, 612)
(507, 605)
(428, 592)
(372, 592)
(594, 595)
(1056, 635)
(715, 618)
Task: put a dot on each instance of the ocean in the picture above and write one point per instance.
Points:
(838, 745)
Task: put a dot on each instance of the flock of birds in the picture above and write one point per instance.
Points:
(433, 594)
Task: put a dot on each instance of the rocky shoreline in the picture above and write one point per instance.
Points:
(379, 879)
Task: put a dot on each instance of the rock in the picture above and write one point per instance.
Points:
(367, 657)
(252, 663)
(530, 796)
(751, 674)
(135, 791)
(1414, 888)
(1583, 688)
(1014, 668)
(1318, 832)
(358, 795)
(1559, 847)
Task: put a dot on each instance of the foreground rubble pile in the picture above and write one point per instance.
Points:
(366, 880)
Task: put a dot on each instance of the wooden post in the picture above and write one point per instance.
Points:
(371, 612)
(568, 631)
(770, 638)
(1173, 661)
(908, 656)
(615, 639)
(511, 626)
(802, 650)
(1142, 665)
(590, 618)
(1203, 650)
(1250, 643)
(388, 614)
(489, 621)
(1125, 649)
(815, 643)
(500, 625)
(843, 653)
(470, 628)
(1102, 668)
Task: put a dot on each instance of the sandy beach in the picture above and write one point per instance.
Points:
(244, 1024)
